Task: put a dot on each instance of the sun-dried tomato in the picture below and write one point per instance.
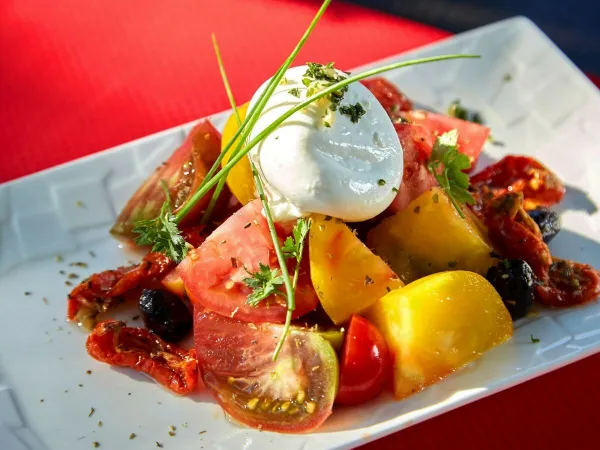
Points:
(569, 283)
(102, 290)
(392, 100)
(114, 343)
(539, 185)
(514, 234)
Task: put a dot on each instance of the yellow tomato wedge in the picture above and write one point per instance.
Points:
(239, 180)
(347, 276)
(438, 324)
(429, 236)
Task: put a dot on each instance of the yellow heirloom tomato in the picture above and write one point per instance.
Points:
(438, 324)
(347, 276)
(429, 236)
(239, 180)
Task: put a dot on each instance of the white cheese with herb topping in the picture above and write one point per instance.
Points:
(316, 162)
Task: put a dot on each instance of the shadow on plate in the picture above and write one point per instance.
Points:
(576, 199)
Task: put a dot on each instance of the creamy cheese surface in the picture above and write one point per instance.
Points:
(347, 170)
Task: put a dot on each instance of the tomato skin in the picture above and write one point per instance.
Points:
(101, 290)
(366, 365)
(113, 343)
(214, 273)
(471, 136)
(390, 97)
(293, 394)
(416, 179)
(182, 172)
(515, 173)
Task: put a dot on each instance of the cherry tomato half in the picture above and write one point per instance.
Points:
(366, 365)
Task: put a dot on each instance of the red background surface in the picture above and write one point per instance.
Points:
(77, 77)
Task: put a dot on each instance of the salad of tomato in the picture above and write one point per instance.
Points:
(323, 258)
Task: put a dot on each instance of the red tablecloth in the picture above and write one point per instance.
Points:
(77, 77)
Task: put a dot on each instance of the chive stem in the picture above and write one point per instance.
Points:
(271, 127)
(290, 286)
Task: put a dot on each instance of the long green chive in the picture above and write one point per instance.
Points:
(289, 286)
(219, 188)
(244, 130)
(273, 125)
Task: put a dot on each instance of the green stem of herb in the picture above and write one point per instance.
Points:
(271, 127)
(290, 287)
(221, 184)
(291, 302)
(245, 129)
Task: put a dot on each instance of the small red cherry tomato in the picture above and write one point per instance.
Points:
(366, 364)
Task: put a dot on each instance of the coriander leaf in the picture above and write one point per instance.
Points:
(534, 340)
(447, 165)
(293, 245)
(263, 283)
(295, 92)
(162, 233)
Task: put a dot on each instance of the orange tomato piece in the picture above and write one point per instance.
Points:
(347, 276)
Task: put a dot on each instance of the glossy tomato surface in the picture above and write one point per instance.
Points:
(366, 365)
(293, 394)
(182, 173)
(471, 136)
(416, 179)
(214, 273)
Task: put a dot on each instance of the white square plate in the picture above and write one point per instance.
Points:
(548, 109)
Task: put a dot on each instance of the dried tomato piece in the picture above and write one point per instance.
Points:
(390, 97)
(102, 290)
(569, 283)
(513, 232)
(114, 343)
(539, 185)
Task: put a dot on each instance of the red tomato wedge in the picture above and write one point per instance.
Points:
(293, 394)
(390, 97)
(471, 136)
(366, 365)
(416, 179)
(183, 173)
(214, 273)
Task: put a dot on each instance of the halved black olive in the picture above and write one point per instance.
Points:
(165, 314)
(515, 281)
(548, 221)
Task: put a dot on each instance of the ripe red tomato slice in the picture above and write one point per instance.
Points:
(416, 179)
(183, 172)
(366, 365)
(390, 97)
(214, 272)
(293, 394)
(471, 136)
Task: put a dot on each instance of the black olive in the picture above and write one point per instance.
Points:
(514, 280)
(548, 221)
(165, 314)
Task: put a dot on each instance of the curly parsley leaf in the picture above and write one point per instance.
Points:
(264, 283)
(447, 165)
(162, 232)
(294, 245)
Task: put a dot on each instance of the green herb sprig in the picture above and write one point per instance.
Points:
(264, 283)
(447, 165)
(162, 232)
